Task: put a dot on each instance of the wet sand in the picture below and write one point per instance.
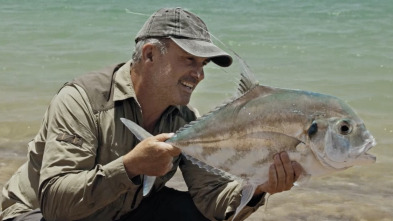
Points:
(317, 201)
(8, 166)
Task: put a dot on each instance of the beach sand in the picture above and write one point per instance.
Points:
(318, 202)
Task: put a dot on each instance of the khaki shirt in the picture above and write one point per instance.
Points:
(75, 169)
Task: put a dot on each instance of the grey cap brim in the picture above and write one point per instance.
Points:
(204, 49)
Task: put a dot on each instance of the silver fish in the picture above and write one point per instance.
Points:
(239, 138)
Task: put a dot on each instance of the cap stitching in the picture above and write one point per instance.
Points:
(177, 19)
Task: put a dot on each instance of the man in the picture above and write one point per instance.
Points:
(85, 165)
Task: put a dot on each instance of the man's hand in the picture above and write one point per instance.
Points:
(152, 157)
(282, 174)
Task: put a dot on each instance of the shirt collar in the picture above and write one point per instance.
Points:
(123, 87)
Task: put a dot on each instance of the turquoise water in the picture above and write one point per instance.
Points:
(343, 48)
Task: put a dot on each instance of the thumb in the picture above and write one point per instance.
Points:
(173, 151)
(164, 136)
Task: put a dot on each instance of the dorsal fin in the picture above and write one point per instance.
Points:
(248, 80)
(190, 124)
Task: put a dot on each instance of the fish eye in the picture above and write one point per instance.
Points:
(344, 127)
(313, 129)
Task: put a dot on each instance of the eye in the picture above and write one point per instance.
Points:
(344, 127)
(313, 129)
(190, 59)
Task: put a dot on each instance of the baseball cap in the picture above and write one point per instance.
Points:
(187, 30)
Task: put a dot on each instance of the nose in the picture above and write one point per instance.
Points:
(198, 73)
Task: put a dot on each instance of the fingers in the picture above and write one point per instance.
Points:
(171, 150)
(152, 156)
(298, 169)
(163, 137)
(280, 173)
(168, 152)
(283, 173)
(289, 172)
(273, 180)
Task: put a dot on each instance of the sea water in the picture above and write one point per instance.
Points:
(342, 48)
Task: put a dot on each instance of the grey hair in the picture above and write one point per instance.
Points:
(161, 43)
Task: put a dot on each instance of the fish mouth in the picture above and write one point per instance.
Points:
(369, 158)
(361, 157)
(369, 144)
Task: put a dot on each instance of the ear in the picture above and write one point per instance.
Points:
(148, 52)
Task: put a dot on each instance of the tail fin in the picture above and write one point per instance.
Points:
(137, 130)
(141, 134)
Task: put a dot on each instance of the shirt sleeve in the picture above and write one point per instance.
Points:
(217, 197)
(71, 185)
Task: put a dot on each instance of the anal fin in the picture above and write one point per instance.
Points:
(247, 193)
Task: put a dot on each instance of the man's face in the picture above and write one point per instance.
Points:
(176, 75)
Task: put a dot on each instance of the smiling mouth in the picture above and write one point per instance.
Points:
(188, 85)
